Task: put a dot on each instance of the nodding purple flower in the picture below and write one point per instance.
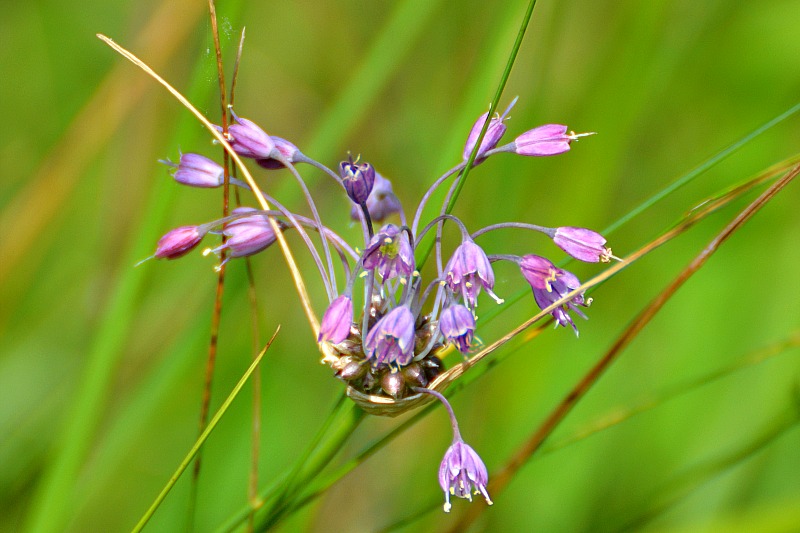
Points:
(248, 140)
(468, 271)
(583, 244)
(494, 132)
(461, 473)
(358, 180)
(179, 242)
(247, 235)
(457, 325)
(538, 271)
(550, 139)
(566, 283)
(390, 252)
(287, 150)
(196, 170)
(381, 202)
(392, 339)
(337, 320)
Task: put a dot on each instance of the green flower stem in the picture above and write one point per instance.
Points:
(346, 418)
(462, 178)
(337, 428)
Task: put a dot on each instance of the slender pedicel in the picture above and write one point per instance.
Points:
(310, 200)
(430, 191)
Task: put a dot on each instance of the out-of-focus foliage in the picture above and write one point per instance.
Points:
(665, 84)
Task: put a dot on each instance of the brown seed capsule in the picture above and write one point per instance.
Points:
(393, 384)
(433, 366)
(352, 370)
(370, 381)
(415, 376)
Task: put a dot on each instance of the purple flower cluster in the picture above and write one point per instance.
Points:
(389, 341)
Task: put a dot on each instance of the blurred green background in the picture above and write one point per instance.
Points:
(101, 365)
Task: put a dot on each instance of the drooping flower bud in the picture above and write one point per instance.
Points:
(249, 140)
(550, 139)
(381, 202)
(358, 180)
(457, 325)
(538, 271)
(287, 150)
(391, 339)
(468, 271)
(582, 244)
(390, 253)
(494, 132)
(247, 235)
(566, 283)
(462, 471)
(196, 170)
(336, 321)
(178, 242)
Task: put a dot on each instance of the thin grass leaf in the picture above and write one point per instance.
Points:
(202, 439)
(686, 483)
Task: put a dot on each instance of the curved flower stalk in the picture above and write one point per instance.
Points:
(389, 346)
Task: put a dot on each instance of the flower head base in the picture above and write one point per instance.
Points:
(550, 139)
(248, 140)
(336, 321)
(390, 252)
(566, 283)
(179, 242)
(583, 244)
(391, 339)
(468, 271)
(538, 271)
(381, 202)
(457, 325)
(494, 132)
(358, 179)
(462, 473)
(196, 170)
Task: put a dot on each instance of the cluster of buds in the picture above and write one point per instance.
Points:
(393, 346)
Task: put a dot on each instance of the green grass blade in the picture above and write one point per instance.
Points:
(202, 438)
(700, 169)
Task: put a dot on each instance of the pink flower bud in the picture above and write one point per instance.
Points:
(550, 139)
(178, 242)
(583, 244)
(336, 321)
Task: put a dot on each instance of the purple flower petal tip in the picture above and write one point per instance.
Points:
(457, 325)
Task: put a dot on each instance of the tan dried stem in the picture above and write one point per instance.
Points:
(216, 317)
(502, 478)
(287, 253)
